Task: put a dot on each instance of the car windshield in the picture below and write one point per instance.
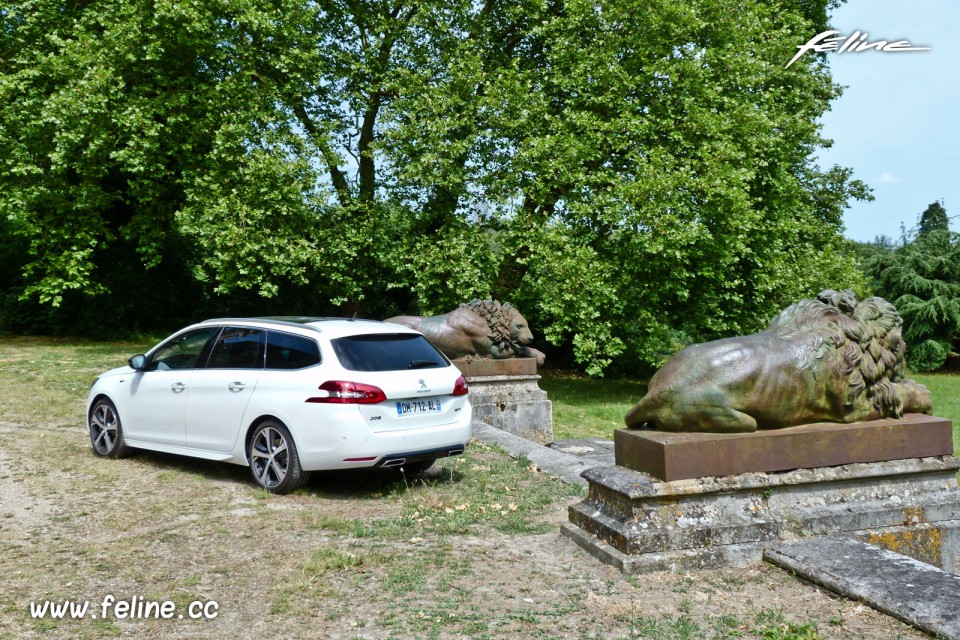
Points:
(387, 352)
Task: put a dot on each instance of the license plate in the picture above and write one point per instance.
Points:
(417, 406)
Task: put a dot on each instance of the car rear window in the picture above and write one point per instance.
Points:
(387, 352)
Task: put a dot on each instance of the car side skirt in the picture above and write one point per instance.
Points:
(217, 456)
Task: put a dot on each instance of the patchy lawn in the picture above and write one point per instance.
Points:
(470, 551)
(593, 408)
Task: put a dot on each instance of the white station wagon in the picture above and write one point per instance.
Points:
(286, 396)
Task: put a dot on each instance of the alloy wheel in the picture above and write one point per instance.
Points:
(103, 428)
(269, 457)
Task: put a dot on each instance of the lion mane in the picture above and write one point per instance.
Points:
(832, 359)
(499, 318)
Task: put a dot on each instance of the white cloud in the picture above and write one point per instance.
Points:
(886, 178)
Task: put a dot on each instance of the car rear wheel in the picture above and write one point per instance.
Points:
(106, 432)
(274, 462)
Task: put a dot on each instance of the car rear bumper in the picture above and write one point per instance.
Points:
(389, 448)
(400, 459)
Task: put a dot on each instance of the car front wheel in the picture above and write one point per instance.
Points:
(274, 462)
(106, 432)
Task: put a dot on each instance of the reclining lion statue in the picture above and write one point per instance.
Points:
(832, 359)
(484, 328)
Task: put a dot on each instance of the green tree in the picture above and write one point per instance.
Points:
(142, 122)
(933, 218)
(868, 251)
(153, 131)
(668, 144)
(95, 114)
(646, 171)
(922, 279)
(633, 175)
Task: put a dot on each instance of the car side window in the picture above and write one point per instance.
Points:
(182, 352)
(238, 348)
(287, 351)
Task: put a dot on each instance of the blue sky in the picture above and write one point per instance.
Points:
(898, 123)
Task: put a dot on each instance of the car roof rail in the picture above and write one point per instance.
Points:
(292, 321)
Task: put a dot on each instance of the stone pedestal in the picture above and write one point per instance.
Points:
(677, 456)
(641, 523)
(505, 395)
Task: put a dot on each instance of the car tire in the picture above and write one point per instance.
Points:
(106, 432)
(416, 468)
(274, 461)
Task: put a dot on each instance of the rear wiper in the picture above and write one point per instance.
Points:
(420, 364)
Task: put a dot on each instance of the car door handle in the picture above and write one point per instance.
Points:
(177, 387)
(236, 386)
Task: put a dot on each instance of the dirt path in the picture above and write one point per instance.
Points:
(21, 511)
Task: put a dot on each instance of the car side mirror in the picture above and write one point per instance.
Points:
(138, 362)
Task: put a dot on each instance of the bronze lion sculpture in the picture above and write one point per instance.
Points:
(484, 328)
(832, 359)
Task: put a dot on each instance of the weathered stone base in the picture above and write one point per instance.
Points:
(513, 402)
(640, 524)
(474, 367)
(902, 587)
(676, 456)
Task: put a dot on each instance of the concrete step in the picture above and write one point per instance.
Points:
(566, 466)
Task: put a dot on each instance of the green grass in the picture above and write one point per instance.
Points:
(768, 625)
(771, 625)
(348, 555)
(593, 408)
(45, 380)
(376, 536)
(945, 388)
(589, 408)
(481, 489)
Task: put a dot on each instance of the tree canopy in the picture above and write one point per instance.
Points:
(634, 176)
(922, 278)
(933, 218)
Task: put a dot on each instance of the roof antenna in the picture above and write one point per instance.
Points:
(354, 316)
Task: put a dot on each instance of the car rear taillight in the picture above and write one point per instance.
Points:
(344, 392)
(460, 387)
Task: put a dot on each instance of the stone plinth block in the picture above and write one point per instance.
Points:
(677, 456)
(639, 523)
(512, 402)
(475, 367)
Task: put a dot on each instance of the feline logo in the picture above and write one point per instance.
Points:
(854, 43)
